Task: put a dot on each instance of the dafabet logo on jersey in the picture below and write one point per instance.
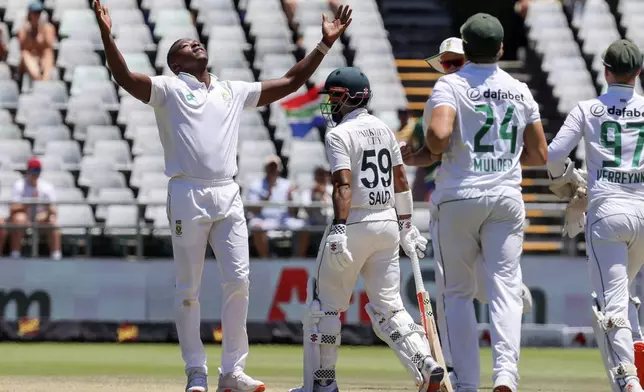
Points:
(599, 110)
(475, 94)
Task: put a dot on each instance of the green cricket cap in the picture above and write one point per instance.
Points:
(623, 57)
(482, 35)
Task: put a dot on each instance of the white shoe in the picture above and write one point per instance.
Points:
(432, 375)
(503, 384)
(526, 296)
(333, 387)
(239, 382)
(197, 380)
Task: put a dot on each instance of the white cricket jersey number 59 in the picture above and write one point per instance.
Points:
(504, 133)
(375, 168)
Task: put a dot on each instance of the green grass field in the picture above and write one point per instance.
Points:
(147, 367)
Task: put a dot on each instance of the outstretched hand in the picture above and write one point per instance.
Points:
(103, 17)
(332, 30)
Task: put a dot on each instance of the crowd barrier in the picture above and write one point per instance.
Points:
(115, 300)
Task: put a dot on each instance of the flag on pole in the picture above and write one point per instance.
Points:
(303, 112)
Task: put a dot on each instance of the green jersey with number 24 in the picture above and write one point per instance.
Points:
(492, 111)
(612, 126)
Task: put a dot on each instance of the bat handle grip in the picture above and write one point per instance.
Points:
(418, 277)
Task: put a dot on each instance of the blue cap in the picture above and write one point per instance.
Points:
(35, 6)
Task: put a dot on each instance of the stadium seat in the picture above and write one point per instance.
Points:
(155, 199)
(54, 163)
(85, 119)
(139, 118)
(140, 33)
(128, 105)
(70, 195)
(31, 103)
(8, 94)
(114, 5)
(117, 150)
(84, 75)
(8, 178)
(121, 220)
(45, 134)
(77, 21)
(241, 74)
(68, 150)
(91, 167)
(18, 151)
(56, 90)
(9, 131)
(145, 164)
(79, 58)
(220, 5)
(153, 181)
(81, 103)
(5, 117)
(214, 17)
(107, 196)
(75, 219)
(147, 142)
(69, 47)
(108, 179)
(126, 17)
(99, 132)
(59, 179)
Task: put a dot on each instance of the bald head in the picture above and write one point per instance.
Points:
(176, 46)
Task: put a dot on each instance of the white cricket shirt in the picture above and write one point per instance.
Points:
(363, 144)
(43, 191)
(199, 125)
(492, 111)
(612, 126)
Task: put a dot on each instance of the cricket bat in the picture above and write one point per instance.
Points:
(427, 319)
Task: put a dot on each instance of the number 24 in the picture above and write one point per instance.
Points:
(503, 131)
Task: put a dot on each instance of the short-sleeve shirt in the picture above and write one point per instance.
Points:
(363, 144)
(199, 125)
(492, 111)
(42, 191)
(258, 191)
(612, 126)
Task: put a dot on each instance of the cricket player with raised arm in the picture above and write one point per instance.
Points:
(372, 219)
(198, 117)
(612, 126)
(450, 59)
(484, 125)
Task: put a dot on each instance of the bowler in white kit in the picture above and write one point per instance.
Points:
(198, 117)
(484, 125)
(372, 219)
(612, 126)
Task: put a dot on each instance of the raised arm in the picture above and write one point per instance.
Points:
(138, 85)
(276, 89)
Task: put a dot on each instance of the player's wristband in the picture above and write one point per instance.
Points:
(323, 48)
(340, 228)
(404, 203)
(339, 221)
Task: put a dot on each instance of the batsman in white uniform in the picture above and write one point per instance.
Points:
(612, 126)
(372, 209)
(450, 59)
(485, 124)
(198, 117)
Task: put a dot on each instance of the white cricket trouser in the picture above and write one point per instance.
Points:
(486, 229)
(202, 213)
(615, 250)
(374, 247)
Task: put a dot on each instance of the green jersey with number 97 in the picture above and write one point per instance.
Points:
(612, 126)
(492, 111)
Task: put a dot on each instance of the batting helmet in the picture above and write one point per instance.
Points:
(347, 87)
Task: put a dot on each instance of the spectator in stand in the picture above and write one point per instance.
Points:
(261, 219)
(36, 37)
(4, 49)
(3, 236)
(320, 192)
(31, 187)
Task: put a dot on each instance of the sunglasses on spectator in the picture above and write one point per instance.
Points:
(33, 171)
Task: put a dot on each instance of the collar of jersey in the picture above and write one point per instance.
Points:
(621, 89)
(194, 82)
(477, 65)
(354, 114)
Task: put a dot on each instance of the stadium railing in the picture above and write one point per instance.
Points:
(142, 227)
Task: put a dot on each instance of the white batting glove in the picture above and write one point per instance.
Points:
(410, 239)
(575, 215)
(336, 244)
